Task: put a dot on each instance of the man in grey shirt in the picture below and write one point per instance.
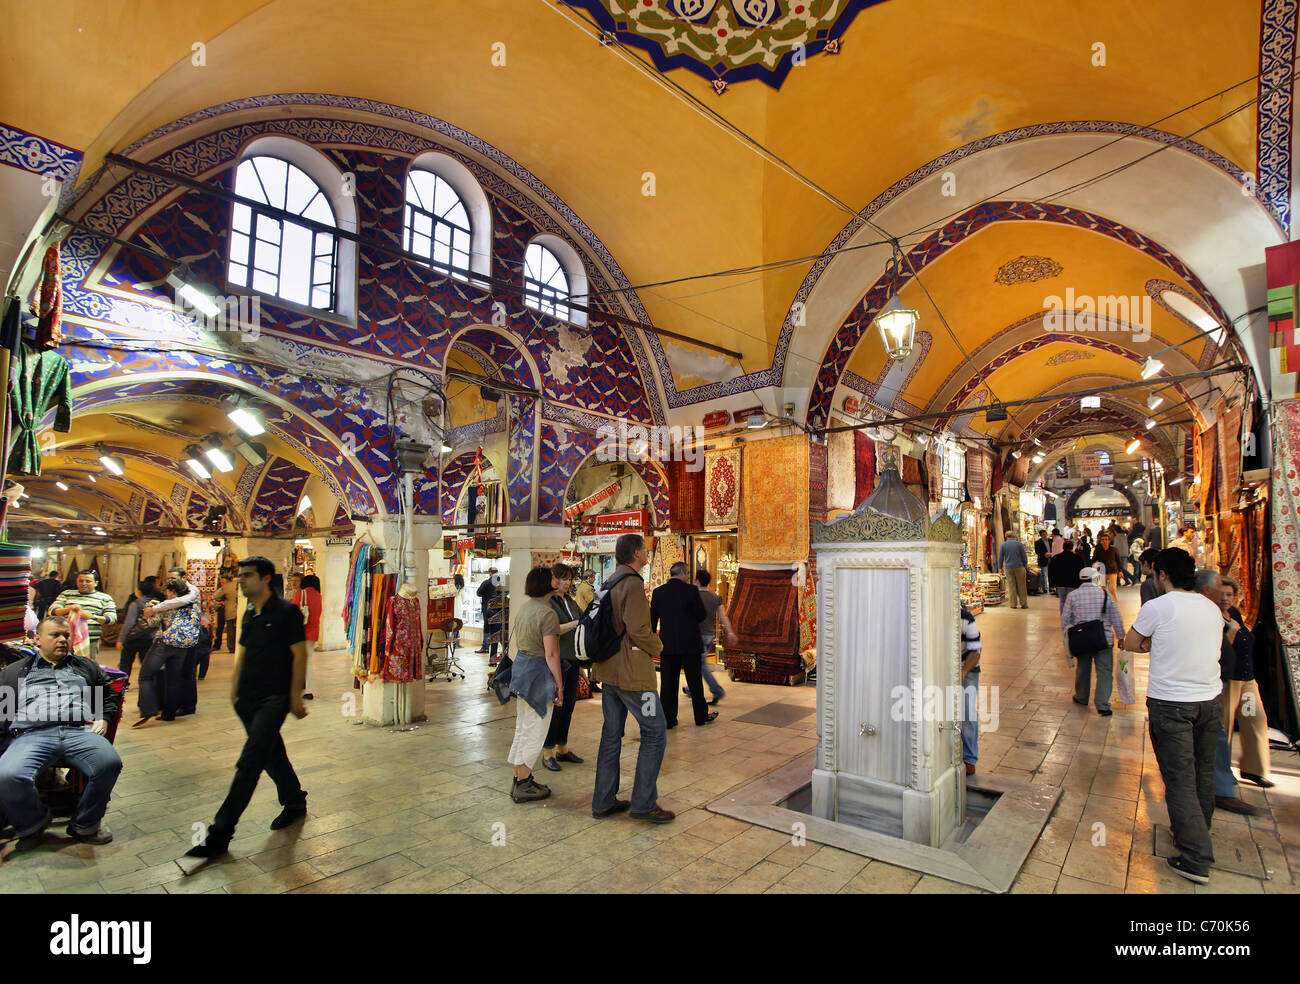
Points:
(1013, 560)
(713, 610)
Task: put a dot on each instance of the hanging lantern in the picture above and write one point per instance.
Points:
(897, 326)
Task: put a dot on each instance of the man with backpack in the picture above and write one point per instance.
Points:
(486, 592)
(630, 685)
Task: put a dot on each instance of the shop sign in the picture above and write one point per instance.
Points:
(716, 419)
(592, 500)
(338, 541)
(852, 405)
(598, 544)
(1098, 512)
(742, 416)
(1090, 466)
(627, 521)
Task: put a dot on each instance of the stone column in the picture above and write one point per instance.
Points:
(520, 543)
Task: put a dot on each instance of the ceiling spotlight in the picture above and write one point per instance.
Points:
(1154, 401)
(62, 486)
(1176, 480)
(1133, 446)
(254, 452)
(247, 419)
(1151, 366)
(111, 462)
(194, 458)
(92, 478)
(1038, 459)
(1151, 422)
(489, 395)
(1090, 403)
(218, 455)
(995, 413)
(445, 449)
(1015, 454)
(187, 288)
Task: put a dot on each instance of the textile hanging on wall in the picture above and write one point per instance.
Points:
(544, 558)
(934, 472)
(668, 550)
(42, 384)
(1208, 499)
(910, 469)
(1255, 522)
(808, 609)
(817, 482)
(685, 497)
(774, 506)
(722, 487)
(49, 308)
(764, 611)
(864, 461)
(1232, 550)
(977, 476)
(1229, 463)
(841, 471)
(1285, 531)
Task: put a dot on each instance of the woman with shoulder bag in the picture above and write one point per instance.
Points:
(568, 612)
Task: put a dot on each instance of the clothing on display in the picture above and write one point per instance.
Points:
(49, 308)
(404, 638)
(865, 466)
(42, 384)
(15, 576)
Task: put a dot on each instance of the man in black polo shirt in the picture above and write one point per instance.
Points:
(268, 683)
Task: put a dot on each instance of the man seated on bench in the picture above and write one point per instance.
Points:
(56, 706)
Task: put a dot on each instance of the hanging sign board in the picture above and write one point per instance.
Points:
(1090, 466)
(742, 416)
(592, 500)
(628, 521)
(716, 419)
(338, 541)
(852, 405)
(598, 544)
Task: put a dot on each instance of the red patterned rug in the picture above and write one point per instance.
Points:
(764, 611)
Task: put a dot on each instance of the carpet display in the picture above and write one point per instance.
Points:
(685, 497)
(817, 483)
(722, 487)
(864, 460)
(841, 471)
(1286, 521)
(764, 612)
(774, 506)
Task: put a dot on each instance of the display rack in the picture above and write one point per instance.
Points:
(972, 595)
(990, 586)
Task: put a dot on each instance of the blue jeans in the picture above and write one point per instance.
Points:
(29, 753)
(715, 688)
(970, 718)
(1225, 783)
(645, 706)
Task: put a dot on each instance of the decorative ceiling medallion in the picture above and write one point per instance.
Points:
(1070, 355)
(1027, 270)
(727, 41)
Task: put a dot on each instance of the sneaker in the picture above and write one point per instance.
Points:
(102, 835)
(1180, 866)
(528, 790)
(288, 816)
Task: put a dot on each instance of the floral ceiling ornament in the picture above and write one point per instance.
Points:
(1070, 355)
(1027, 270)
(727, 41)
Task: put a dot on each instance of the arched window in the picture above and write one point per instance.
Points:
(546, 285)
(275, 255)
(437, 223)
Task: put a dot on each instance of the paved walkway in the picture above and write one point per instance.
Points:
(428, 810)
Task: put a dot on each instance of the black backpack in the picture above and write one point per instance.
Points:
(595, 639)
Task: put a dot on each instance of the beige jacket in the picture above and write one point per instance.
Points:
(583, 595)
(227, 596)
(632, 667)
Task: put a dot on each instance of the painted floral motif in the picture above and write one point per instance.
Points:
(1027, 270)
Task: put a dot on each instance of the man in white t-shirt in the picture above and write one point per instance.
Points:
(1182, 630)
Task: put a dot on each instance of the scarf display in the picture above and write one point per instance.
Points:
(864, 456)
(49, 308)
(1286, 521)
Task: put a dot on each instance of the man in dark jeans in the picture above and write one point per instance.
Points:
(269, 679)
(1182, 630)
(486, 592)
(676, 611)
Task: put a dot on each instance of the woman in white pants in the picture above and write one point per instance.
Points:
(535, 679)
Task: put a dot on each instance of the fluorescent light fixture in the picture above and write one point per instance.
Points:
(638, 448)
(1154, 401)
(37, 552)
(92, 478)
(219, 456)
(1176, 480)
(302, 543)
(187, 287)
(194, 459)
(303, 506)
(757, 421)
(1037, 443)
(445, 449)
(1151, 422)
(1133, 446)
(1015, 454)
(62, 486)
(1151, 366)
(254, 452)
(1038, 459)
(1090, 403)
(111, 462)
(247, 419)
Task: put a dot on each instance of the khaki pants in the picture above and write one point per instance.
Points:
(1112, 585)
(1018, 586)
(1238, 698)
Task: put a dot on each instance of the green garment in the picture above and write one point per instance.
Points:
(92, 605)
(42, 385)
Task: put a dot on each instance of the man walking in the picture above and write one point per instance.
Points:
(57, 705)
(1119, 540)
(1064, 571)
(86, 602)
(1042, 549)
(676, 612)
(267, 685)
(1146, 564)
(1182, 630)
(713, 610)
(629, 679)
(1089, 603)
(1107, 555)
(1015, 563)
(226, 601)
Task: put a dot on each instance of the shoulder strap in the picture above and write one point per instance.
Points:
(1105, 600)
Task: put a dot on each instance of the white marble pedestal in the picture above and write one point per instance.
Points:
(386, 704)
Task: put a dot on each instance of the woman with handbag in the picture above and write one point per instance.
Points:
(305, 593)
(556, 747)
(1092, 625)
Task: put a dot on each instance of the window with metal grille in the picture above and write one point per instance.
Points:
(546, 285)
(275, 255)
(437, 223)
